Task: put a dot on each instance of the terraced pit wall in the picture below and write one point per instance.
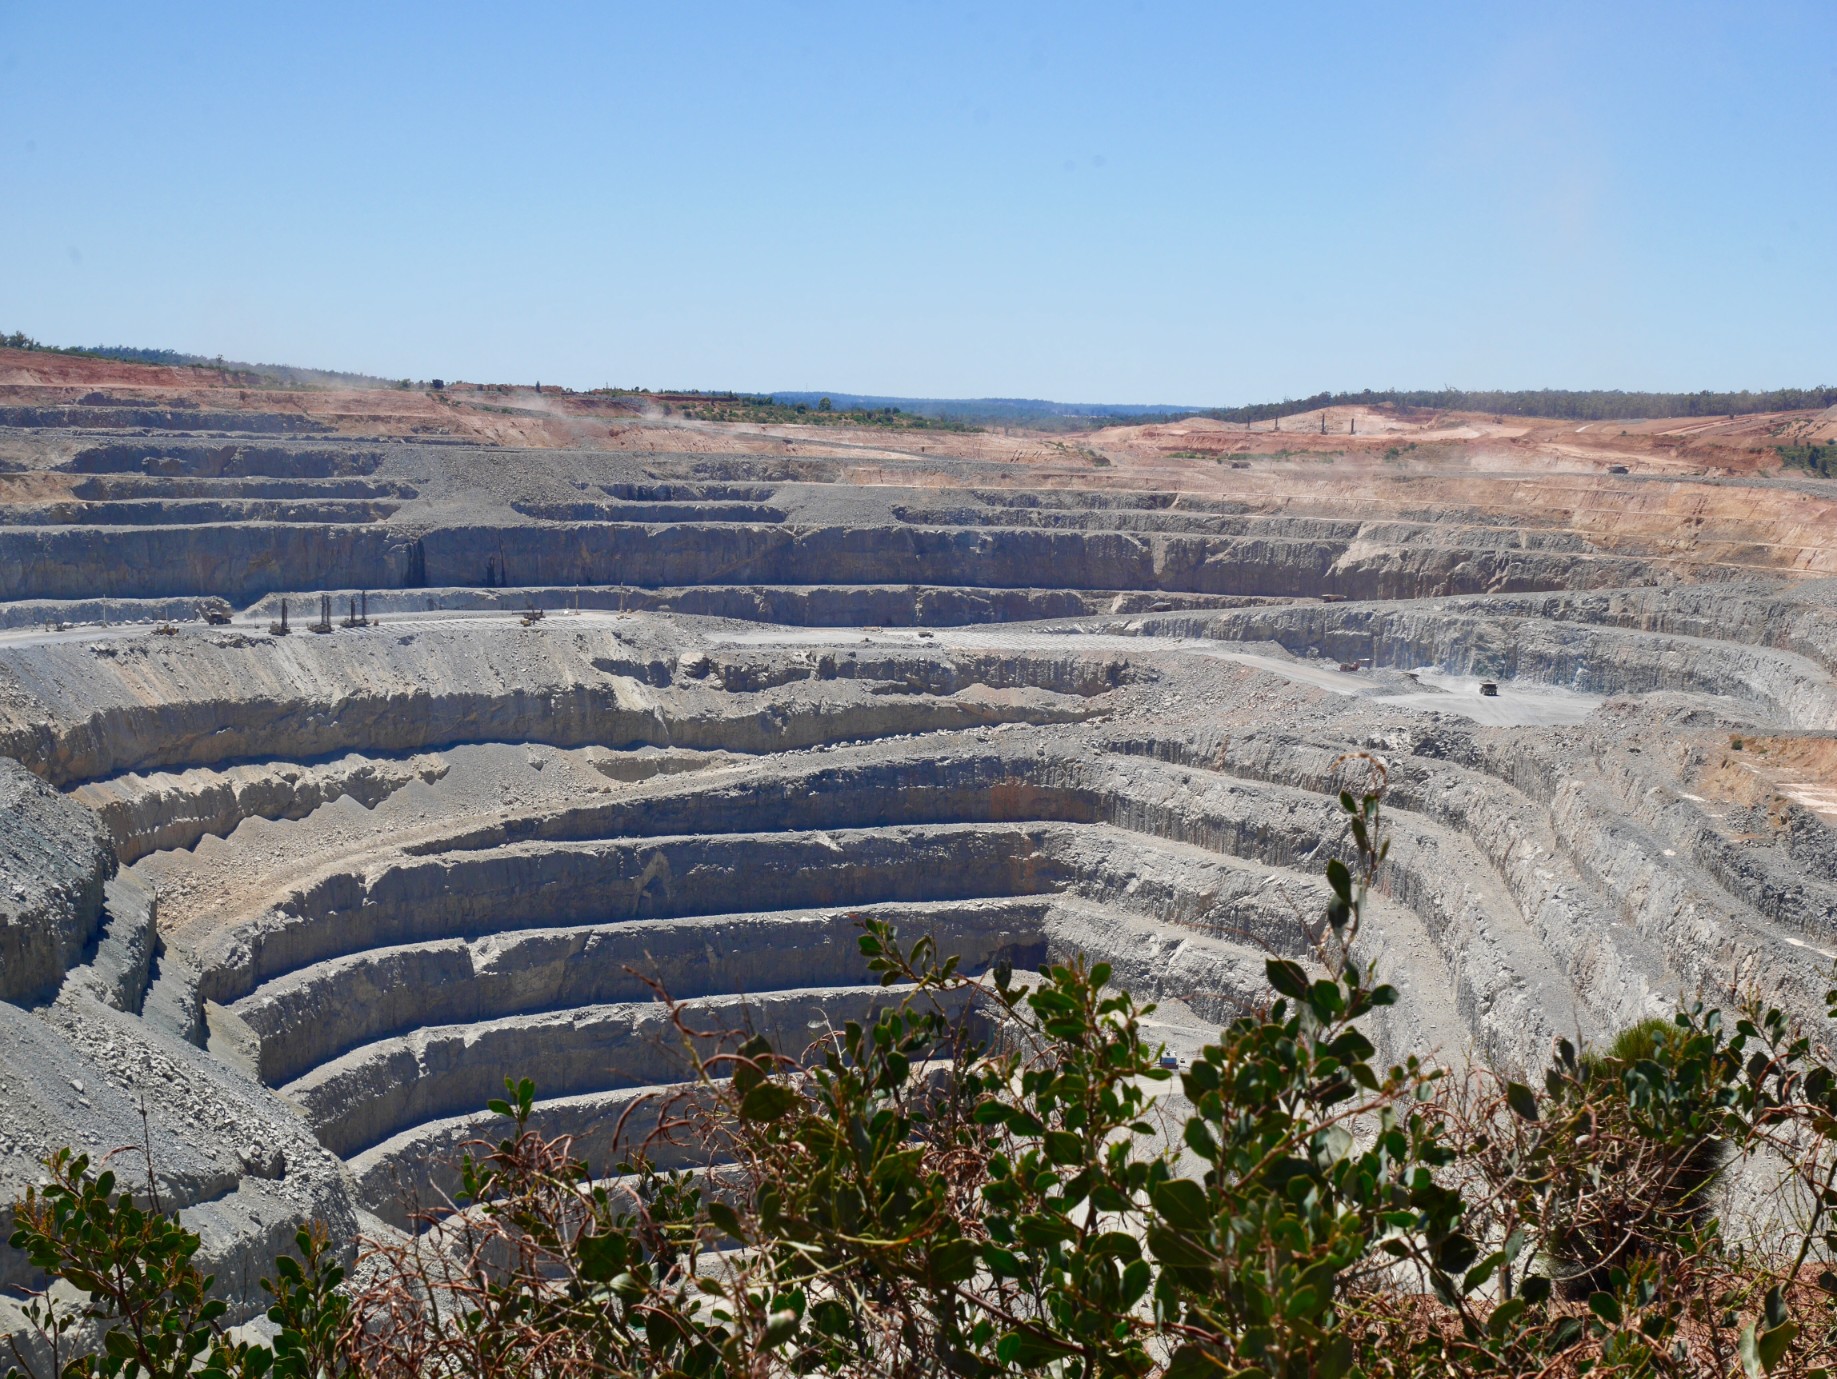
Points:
(311, 897)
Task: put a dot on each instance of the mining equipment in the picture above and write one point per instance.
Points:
(1489, 688)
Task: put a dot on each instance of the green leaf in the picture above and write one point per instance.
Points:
(1287, 978)
(753, 1058)
(1325, 1000)
(1119, 1244)
(659, 1330)
(1515, 1243)
(1749, 1350)
(1522, 1100)
(1455, 1253)
(1002, 1263)
(1335, 1358)
(768, 1101)
(1331, 1144)
(601, 1256)
(952, 1262)
(725, 1219)
(1605, 1306)
(1136, 1278)
(1504, 1315)
(1181, 1202)
(1340, 880)
(1027, 1350)
(1199, 1139)
(1302, 1303)
(1482, 1271)
(1773, 1344)
(1178, 1250)
(1063, 1147)
(1190, 1362)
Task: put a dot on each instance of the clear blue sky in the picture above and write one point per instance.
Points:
(1205, 203)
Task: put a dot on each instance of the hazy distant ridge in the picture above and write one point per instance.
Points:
(1577, 404)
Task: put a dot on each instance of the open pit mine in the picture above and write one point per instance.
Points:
(364, 748)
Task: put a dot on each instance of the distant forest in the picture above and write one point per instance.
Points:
(19, 340)
(1562, 403)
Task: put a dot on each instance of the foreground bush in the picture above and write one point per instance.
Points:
(986, 1181)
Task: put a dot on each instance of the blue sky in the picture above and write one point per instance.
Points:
(1200, 203)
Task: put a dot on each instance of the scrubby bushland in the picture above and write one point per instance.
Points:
(988, 1181)
(769, 411)
(1596, 404)
(1819, 459)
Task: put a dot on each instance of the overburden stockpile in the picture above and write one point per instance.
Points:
(364, 749)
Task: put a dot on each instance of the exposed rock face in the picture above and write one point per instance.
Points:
(314, 896)
(244, 559)
(54, 861)
(81, 1067)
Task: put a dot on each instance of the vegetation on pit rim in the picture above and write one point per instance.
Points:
(985, 1182)
(1557, 403)
(959, 414)
(1818, 459)
(248, 375)
(1561, 404)
(768, 411)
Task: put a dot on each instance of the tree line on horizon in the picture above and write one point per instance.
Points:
(271, 375)
(1563, 404)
